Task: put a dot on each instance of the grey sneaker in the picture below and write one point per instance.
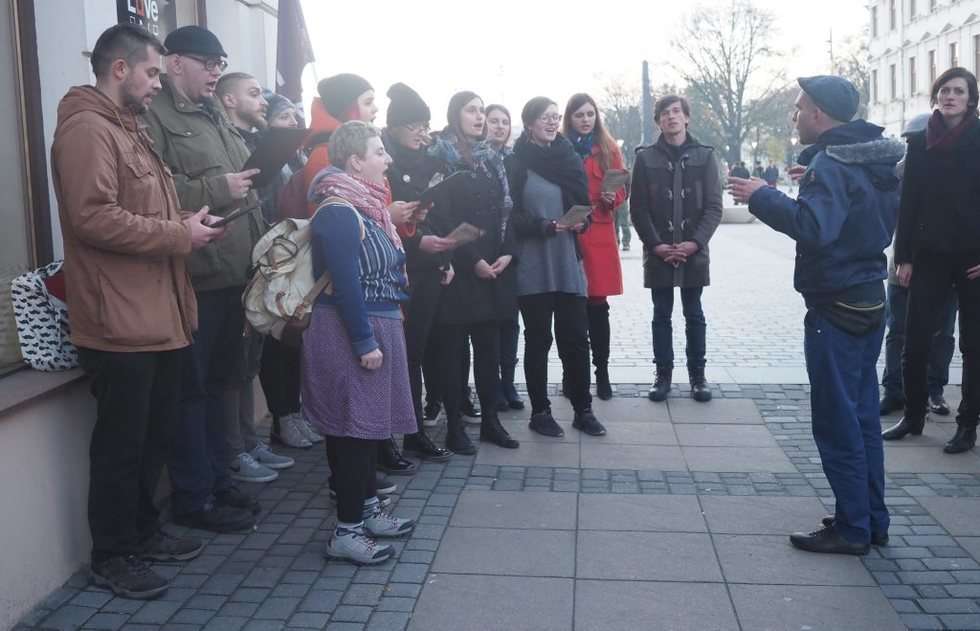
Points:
(266, 457)
(245, 469)
(308, 432)
(291, 434)
(129, 577)
(357, 547)
(383, 524)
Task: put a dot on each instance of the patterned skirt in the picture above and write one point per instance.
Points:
(340, 398)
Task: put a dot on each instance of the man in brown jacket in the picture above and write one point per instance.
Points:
(130, 300)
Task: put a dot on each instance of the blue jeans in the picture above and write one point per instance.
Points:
(199, 456)
(663, 333)
(940, 353)
(846, 423)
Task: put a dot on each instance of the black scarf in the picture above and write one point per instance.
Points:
(559, 164)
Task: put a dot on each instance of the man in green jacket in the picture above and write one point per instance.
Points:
(206, 155)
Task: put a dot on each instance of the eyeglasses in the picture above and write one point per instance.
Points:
(417, 129)
(550, 118)
(210, 64)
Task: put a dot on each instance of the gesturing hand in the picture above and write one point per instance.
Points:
(201, 233)
(743, 189)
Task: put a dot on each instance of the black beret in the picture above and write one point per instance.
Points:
(194, 40)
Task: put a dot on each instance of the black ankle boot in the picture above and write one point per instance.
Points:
(391, 461)
(419, 444)
(492, 431)
(910, 424)
(456, 439)
(700, 391)
(963, 440)
(603, 388)
(661, 387)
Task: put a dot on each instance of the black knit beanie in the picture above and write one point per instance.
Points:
(406, 106)
(339, 93)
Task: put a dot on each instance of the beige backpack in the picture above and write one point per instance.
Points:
(279, 298)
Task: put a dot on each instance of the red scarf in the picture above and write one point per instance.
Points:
(369, 198)
(940, 137)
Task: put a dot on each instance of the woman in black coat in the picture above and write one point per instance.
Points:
(482, 294)
(937, 249)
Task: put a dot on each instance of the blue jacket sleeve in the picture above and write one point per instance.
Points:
(816, 216)
(337, 249)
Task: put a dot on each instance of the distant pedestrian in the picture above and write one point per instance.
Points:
(842, 222)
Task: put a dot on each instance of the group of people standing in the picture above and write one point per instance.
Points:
(149, 159)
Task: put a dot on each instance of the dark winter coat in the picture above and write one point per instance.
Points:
(408, 176)
(476, 198)
(676, 197)
(940, 208)
(845, 214)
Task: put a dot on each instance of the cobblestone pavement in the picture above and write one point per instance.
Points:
(676, 520)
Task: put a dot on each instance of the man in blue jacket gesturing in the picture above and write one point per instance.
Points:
(842, 222)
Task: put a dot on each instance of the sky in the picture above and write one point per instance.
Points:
(508, 51)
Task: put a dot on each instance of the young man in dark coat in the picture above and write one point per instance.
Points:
(842, 221)
(675, 204)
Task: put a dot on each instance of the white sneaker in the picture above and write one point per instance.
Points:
(383, 524)
(245, 469)
(308, 432)
(290, 434)
(357, 548)
(267, 457)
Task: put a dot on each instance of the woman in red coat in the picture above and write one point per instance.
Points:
(600, 254)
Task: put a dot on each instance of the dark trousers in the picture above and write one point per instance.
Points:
(485, 337)
(940, 351)
(599, 332)
(279, 376)
(846, 423)
(571, 327)
(663, 332)
(199, 456)
(934, 277)
(137, 405)
(352, 462)
(420, 318)
(510, 333)
(434, 366)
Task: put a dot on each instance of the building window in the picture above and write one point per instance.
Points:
(891, 15)
(954, 55)
(913, 88)
(893, 82)
(932, 6)
(874, 86)
(912, 9)
(932, 67)
(874, 21)
(976, 54)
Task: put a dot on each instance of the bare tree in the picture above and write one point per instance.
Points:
(855, 66)
(621, 115)
(724, 59)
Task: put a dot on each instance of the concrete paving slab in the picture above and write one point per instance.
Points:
(630, 410)
(971, 545)
(762, 515)
(657, 513)
(479, 603)
(520, 431)
(511, 552)
(763, 559)
(780, 607)
(598, 455)
(634, 434)
(929, 460)
(628, 606)
(531, 453)
(958, 515)
(715, 435)
(650, 556)
(499, 509)
(738, 459)
(718, 410)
